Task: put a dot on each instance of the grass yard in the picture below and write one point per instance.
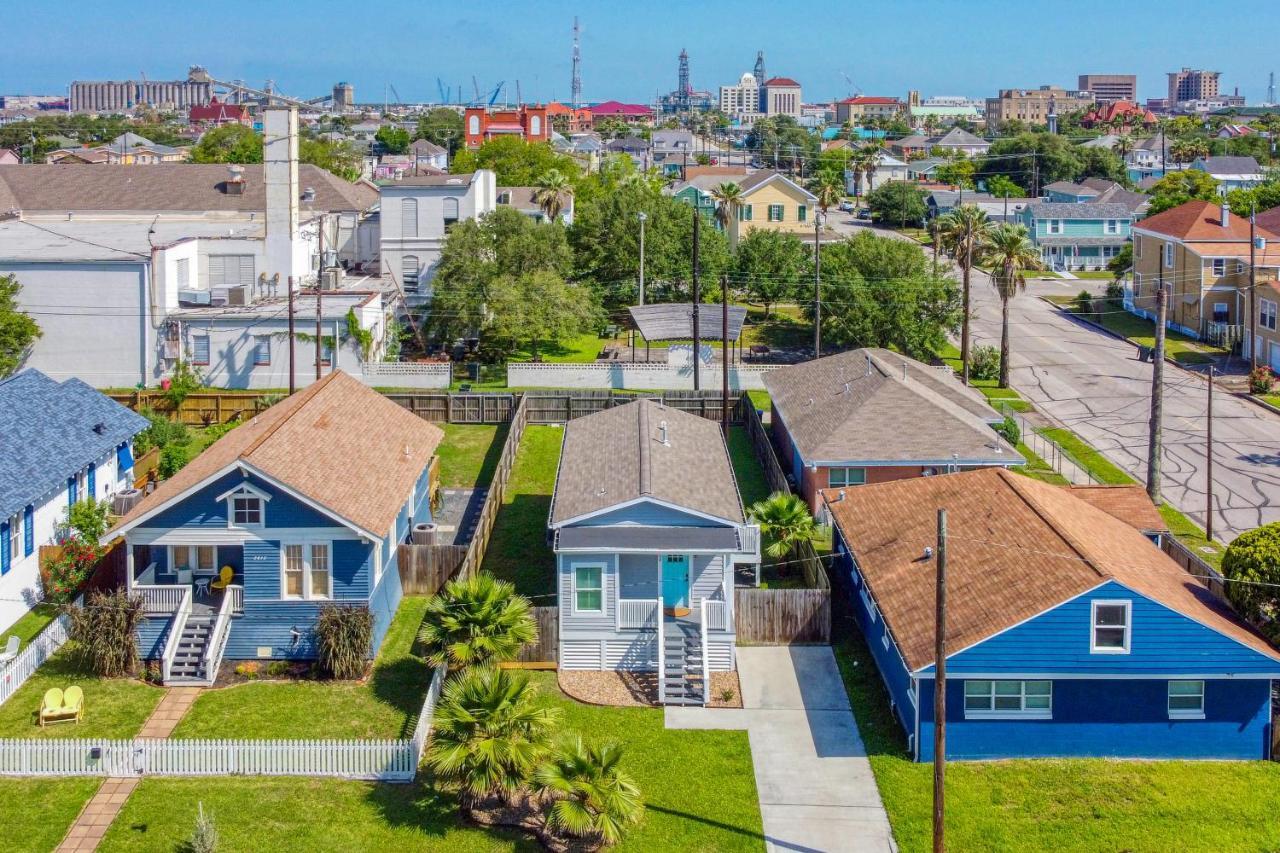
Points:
(1094, 275)
(746, 468)
(1272, 399)
(26, 628)
(1192, 535)
(989, 388)
(1102, 468)
(1062, 805)
(469, 454)
(1179, 347)
(113, 707)
(1038, 468)
(384, 706)
(35, 813)
(518, 549)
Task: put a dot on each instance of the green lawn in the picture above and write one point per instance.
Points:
(1178, 347)
(26, 628)
(469, 454)
(746, 467)
(1083, 805)
(578, 348)
(113, 707)
(35, 813)
(989, 388)
(384, 706)
(1273, 399)
(518, 549)
(1038, 468)
(1094, 275)
(1102, 468)
(761, 400)
(1192, 535)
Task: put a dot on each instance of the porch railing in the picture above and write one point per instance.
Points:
(641, 613)
(706, 654)
(175, 632)
(751, 540)
(218, 639)
(715, 615)
(162, 599)
(235, 594)
(662, 668)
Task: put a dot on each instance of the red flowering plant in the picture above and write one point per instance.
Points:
(1261, 380)
(66, 571)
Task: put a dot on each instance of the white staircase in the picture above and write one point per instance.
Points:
(682, 680)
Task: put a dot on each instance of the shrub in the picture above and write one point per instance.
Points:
(161, 433)
(727, 694)
(204, 839)
(66, 572)
(105, 631)
(247, 669)
(1008, 429)
(1084, 302)
(88, 518)
(1261, 380)
(184, 382)
(984, 363)
(476, 620)
(589, 795)
(277, 669)
(344, 636)
(1254, 556)
(172, 459)
(1115, 291)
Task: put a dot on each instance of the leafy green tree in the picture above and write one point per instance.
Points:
(393, 139)
(771, 265)
(1102, 163)
(1187, 149)
(17, 330)
(441, 126)
(231, 143)
(1253, 560)
(1021, 157)
(476, 620)
(1264, 196)
(590, 795)
(1002, 187)
(781, 142)
(1180, 187)
(897, 203)
(964, 231)
(340, 158)
(957, 173)
(516, 162)
(1011, 254)
(539, 308)
(1122, 262)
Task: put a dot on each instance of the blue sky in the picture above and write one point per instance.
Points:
(965, 47)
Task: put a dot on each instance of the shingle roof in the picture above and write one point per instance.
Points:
(1017, 547)
(960, 136)
(1130, 504)
(1229, 165)
(858, 407)
(616, 456)
(338, 443)
(1199, 220)
(673, 321)
(48, 434)
(165, 187)
(1078, 210)
(761, 177)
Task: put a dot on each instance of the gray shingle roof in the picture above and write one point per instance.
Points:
(859, 407)
(1231, 165)
(1078, 210)
(617, 456)
(49, 435)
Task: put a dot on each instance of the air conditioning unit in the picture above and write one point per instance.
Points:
(219, 296)
(331, 278)
(194, 297)
(239, 295)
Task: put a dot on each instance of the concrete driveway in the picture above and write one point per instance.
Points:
(815, 785)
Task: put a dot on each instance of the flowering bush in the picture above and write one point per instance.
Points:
(65, 572)
(1261, 380)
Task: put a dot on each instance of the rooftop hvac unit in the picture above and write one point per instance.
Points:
(331, 279)
(194, 297)
(239, 295)
(219, 296)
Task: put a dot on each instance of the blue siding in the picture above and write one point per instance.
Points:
(386, 598)
(203, 509)
(1110, 718)
(648, 514)
(152, 634)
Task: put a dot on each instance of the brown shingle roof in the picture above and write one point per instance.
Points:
(166, 187)
(339, 443)
(1201, 220)
(1130, 504)
(1016, 548)
(616, 456)
(858, 407)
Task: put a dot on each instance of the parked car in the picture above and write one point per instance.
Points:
(846, 206)
(864, 213)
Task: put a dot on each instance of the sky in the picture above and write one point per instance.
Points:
(630, 50)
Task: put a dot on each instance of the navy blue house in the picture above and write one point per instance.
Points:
(1069, 632)
(301, 507)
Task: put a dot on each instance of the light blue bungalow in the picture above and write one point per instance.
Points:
(1078, 235)
(1069, 631)
(304, 505)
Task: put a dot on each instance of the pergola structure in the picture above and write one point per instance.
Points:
(673, 321)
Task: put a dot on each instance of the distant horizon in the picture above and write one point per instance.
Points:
(937, 48)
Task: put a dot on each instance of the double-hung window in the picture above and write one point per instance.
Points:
(261, 350)
(1112, 226)
(840, 477)
(1168, 255)
(408, 217)
(306, 571)
(197, 558)
(200, 349)
(1267, 314)
(744, 213)
(1186, 700)
(802, 213)
(1219, 267)
(588, 588)
(1111, 627)
(1006, 699)
(1053, 226)
(776, 212)
(15, 536)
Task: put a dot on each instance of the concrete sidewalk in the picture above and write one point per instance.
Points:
(813, 779)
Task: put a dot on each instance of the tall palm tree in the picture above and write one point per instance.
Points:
(785, 521)
(553, 192)
(869, 154)
(489, 733)
(728, 196)
(964, 231)
(1011, 254)
(476, 620)
(591, 797)
(829, 189)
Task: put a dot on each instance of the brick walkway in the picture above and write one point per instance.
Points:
(96, 817)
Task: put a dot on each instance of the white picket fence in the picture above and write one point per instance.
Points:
(422, 731)
(34, 655)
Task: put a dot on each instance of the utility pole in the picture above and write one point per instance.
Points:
(1253, 283)
(319, 286)
(643, 217)
(1157, 396)
(293, 381)
(1208, 466)
(724, 353)
(940, 689)
(817, 286)
(697, 298)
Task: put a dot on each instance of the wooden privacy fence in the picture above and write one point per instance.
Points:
(1193, 565)
(497, 488)
(200, 408)
(782, 616)
(762, 446)
(39, 650)
(546, 651)
(457, 408)
(108, 573)
(425, 568)
(815, 571)
(558, 407)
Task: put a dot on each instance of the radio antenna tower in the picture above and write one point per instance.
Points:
(1271, 89)
(575, 85)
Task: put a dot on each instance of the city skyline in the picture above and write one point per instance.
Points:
(636, 61)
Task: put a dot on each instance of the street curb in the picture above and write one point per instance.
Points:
(1257, 402)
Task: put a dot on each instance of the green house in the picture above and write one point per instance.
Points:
(1078, 236)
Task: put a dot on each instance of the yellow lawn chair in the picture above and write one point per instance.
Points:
(228, 574)
(60, 707)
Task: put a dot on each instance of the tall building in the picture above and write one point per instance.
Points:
(118, 95)
(781, 96)
(528, 122)
(1034, 106)
(1192, 85)
(344, 97)
(741, 101)
(1110, 87)
(683, 98)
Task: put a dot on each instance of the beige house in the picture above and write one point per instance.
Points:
(772, 200)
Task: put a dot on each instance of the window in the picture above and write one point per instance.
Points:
(1168, 254)
(246, 510)
(199, 349)
(201, 558)
(230, 270)
(473, 125)
(408, 217)
(1239, 266)
(1112, 226)
(326, 352)
(838, 477)
(184, 273)
(802, 213)
(1111, 624)
(744, 213)
(1137, 247)
(1186, 700)
(1219, 267)
(409, 273)
(261, 350)
(1267, 314)
(450, 213)
(588, 589)
(319, 575)
(1221, 312)
(293, 565)
(1005, 699)
(535, 125)
(306, 571)
(1053, 226)
(15, 535)
(775, 213)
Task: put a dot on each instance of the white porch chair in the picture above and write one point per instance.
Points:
(10, 651)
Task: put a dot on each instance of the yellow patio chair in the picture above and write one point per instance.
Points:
(73, 703)
(228, 574)
(51, 707)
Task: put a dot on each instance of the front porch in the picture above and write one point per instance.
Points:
(164, 575)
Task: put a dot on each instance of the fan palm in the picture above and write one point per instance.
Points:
(728, 196)
(554, 190)
(489, 732)
(1011, 254)
(590, 796)
(785, 521)
(869, 154)
(964, 231)
(828, 189)
(476, 620)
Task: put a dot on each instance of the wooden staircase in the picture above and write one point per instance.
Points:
(188, 660)
(681, 682)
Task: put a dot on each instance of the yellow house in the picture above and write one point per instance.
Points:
(772, 200)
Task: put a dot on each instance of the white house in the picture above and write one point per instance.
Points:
(888, 168)
(63, 442)
(1231, 173)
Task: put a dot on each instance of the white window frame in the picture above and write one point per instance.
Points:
(1020, 713)
(779, 209)
(1267, 311)
(1219, 267)
(408, 218)
(1185, 713)
(261, 350)
(195, 564)
(1226, 311)
(15, 538)
(603, 567)
(1168, 255)
(1112, 226)
(183, 270)
(1094, 648)
(208, 349)
(1053, 226)
(245, 490)
(308, 594)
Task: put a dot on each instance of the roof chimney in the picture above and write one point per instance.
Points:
(235, 179)
(1226, 214)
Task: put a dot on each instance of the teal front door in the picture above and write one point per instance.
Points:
(675, 580)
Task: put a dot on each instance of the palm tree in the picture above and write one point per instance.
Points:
(728, 196)
(828, 188)
(785, 521)
(1010, 253)
(590, 796)
(964, 231)
(869, 156)
(554, 190)
(489, 733)
(476, 620)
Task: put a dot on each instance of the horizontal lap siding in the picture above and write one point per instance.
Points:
(708, 575)
(647, 514)
(639, 576)
(204, 510)
(152, 634)
(386, 598)
(569, 621)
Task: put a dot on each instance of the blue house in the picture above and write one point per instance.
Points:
(301, 507)
(1069, 631)
(1078, 235)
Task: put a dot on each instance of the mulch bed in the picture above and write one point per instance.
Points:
(605, 687)
(722, 685)
(235, 672)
